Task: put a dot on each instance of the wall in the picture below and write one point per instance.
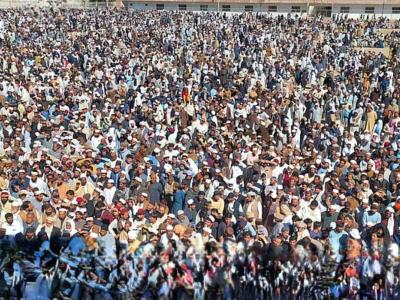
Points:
(355, 10)
(282, 8)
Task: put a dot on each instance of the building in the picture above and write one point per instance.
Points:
(354, 8)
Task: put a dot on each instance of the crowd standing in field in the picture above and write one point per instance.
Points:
(178, 155)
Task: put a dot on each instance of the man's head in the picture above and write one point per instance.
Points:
(21, 174)
(103, 230)
(62, 213)
(181, 215)
(30, 233)
(339, 226)
(374, 208)
(4, 196)
(83, 179)
(277, 240)
(49, 221)
(285, 232)
(170, 231)
(9, 218)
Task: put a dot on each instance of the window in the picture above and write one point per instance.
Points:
(272, 8)
(159, 6)
(248, 8)
(204, 7)
(226, 8)
(396, 10)
(295, 9)
(344, 10)
(325, 11)
(370, 10)
(182, 7)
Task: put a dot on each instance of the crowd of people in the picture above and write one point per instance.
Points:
(178, 155)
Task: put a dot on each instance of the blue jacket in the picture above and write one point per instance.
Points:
(179, 201)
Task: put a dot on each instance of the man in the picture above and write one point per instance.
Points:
(84, 187)
(233, 205)
(37, 201)
(182, 218)
(222, 226)
(79, 220)
(248, 239)
(155, 190)
(36, 182)
(63, 184)
(12, 226)
(137, 187)
(275, 250)
(353, 250)
(206, 236)
(28, 242)
(61, 218)
(338, 240)
(272, 187)
(243, 225)
(218, 203)
(154, 222)
(109, 192)
(15, 210)
(207, 188)
(253, 205)
(329, 216)
(279, 225)
(52, 233)
(122, 192)
(106, 242)
(191, 211)
(5, 204)
(103, 177)
(179, 197)
(388, 220)
(313, 212)
(116, 173)
(302, 230)
(169, 236)
(30, 220)
(139, 222)
(372, 216)
(55, 200)
(316, 232)
(21, 183)
(364, 207)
